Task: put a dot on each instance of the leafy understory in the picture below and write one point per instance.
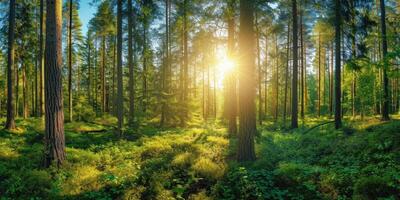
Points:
(358, 162)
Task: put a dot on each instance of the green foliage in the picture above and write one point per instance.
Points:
(373, 187)
(196, 163)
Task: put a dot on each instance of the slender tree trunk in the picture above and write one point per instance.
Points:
(266, 78)
(302, 66)
(70, 63)
(338, 23)
(331, 81)
(54, 128)
(24, 93)
(41, 61)
(130, 63)
(385, 109)
(120, 102)
(89, 73)
(103, 74)
(231, 99)
(295, 65)
(16, 73)
(165, 67)
(319, 75)
(276, 78)
(260, 110)
(144, 67)
(10, 122)
(247, 115)
(286, 75)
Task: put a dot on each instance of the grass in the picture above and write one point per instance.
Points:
(362, 161)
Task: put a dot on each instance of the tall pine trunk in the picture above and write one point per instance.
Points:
(120, 106)
(247, 115)
(295, 65)
(231, 93)
(10, 122)
(338, 23)
(70, 63)
(41, 61)
(385, 108)
(54, 117)
(130, 63)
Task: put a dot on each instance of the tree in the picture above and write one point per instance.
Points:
(130, 63)
(54, 115)
(338, 104)
(120, 106)
(247, 116)
(295, 63)
(231, 78)
(10, 123)
(70, 62)
(385, 109)
(41, 61)
(104, 26)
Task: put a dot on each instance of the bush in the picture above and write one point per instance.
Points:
(373, 187)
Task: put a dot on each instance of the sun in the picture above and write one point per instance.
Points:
(225, 66)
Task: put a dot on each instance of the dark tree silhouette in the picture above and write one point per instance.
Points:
(247, 115)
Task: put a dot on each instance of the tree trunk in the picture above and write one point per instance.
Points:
(385, 108)
(24, 93)
(130, 63)
(319, 75)
(266, 78)
(41, 61)
(120, 102)
(231, 93)
(70, 63)
(338, 23)
(165, 85)
(10, 122)
(331, 82)
(89, 73)
(54, 117)
(103, 74)
(260, 110)
(286, 75)
(295, 70)
(247, 115)
(276, 78)
(302, 66)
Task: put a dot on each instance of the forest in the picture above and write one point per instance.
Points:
(200, 99)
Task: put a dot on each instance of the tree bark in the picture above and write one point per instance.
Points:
(70, 63)
(286, 75)
(231, 93)
(338, 23)
(10, 122)
(120, 102)
(295, 65)
(54, 117)
(41, 61)
(130, 63)
(247, 115)
(385, 108)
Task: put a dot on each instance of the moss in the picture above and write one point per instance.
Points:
(207, 168)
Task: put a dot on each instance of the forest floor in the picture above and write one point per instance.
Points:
(361, 161)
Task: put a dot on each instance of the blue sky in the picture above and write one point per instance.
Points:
(86, 12)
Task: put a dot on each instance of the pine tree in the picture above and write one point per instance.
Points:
(54, 117)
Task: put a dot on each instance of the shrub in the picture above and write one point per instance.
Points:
(373, 187)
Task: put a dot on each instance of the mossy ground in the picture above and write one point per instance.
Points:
(362, 161)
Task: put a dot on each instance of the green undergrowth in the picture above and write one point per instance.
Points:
(361, 161)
